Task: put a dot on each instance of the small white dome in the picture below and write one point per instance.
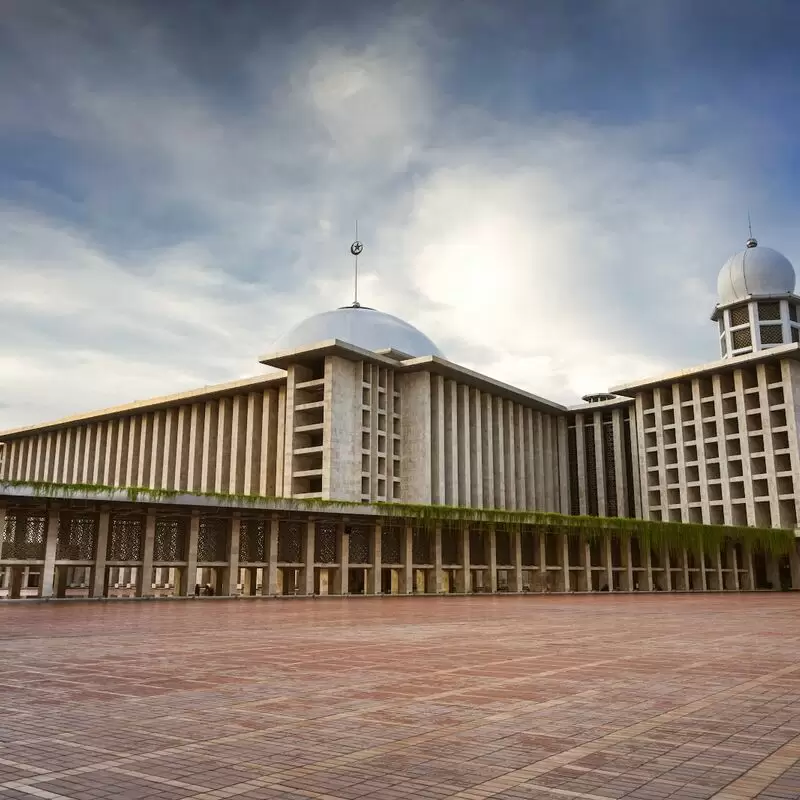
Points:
(361, 326)
(754, 272)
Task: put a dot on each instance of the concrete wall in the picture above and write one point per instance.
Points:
(228, 445)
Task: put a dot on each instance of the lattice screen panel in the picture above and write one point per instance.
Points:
(771, 334)
(252, 541)
(610, 463)
(421, 547)
(450, 537)
(528, 548)
(391, 546)
(212, 540)
(24, 536)
(591, 468)
(572, 448)
(290, 542)
(325, 543)
(359, 546)
(477, 548)
(769, 310)
(77, 537)
(740, 316)
(742, 339)
(125, 539)
(170, 541)
(503, 547)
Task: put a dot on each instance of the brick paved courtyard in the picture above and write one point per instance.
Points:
(506, 697)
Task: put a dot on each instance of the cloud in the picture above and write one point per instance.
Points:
(181, 225)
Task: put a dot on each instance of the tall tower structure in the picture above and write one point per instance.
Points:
(756, 306)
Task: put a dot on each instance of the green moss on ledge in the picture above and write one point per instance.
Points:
(693, 536)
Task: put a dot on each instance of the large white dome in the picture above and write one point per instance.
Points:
(754, 272)
(361, 326)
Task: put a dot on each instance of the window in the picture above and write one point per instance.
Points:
(742, 339)
(739, 316)
(769, 310)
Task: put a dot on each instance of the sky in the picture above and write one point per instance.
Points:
(546, 188)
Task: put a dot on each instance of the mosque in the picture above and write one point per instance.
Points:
(365, 462)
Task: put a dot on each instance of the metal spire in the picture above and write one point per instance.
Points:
(356, 249)
(751, 242)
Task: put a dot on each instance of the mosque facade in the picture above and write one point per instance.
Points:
(366, 462)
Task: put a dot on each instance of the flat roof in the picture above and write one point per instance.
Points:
(153, 404)
(723, 365)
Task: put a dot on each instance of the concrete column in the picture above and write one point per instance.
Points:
(144, 582)
(627, 562)
(437, 560)
(269, 582)
(189, 577)
(586, 554)
(99, 577)
(308, 559)
(232, 577)
(773, 573)
(648, 565)
(609, 562)
(685, 568)
(703, 580)
(466, 573)
(516, 544)
(666, 560)
(408, 560)
(49, 568)
(342, 583)
(542, 541)
(794, 566)
(732, 580)
(718, 567)
(493, 561)
(565, 581)
(375, 581)
(750, 573)
(3, 520)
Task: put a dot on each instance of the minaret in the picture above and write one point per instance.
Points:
(757, 307)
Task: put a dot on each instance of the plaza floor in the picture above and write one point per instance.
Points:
(645, 697)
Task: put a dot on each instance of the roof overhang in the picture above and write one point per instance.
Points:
(778, 353)
(154, 404)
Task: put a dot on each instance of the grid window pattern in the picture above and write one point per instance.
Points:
(252, 541)
(591, 468)
(212, 540)
(740, 316)
(572, 446)
(391, 546)
(771, 334)
(742, 339)
(449, 546)
(290, 542)
(24, 536)
(359, 546)
(77, 538)
(769, 311)
(421, 547)
(610, 468)
(325, 543)
(125, 539)
(170, 541)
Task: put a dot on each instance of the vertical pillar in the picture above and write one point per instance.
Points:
(342, 583)
(493, 561)
(666, 561)
(627, 562)
(703, 577)
(542, 542)
(377, 563)
(718, 567)
(269, 581)
(308, 559)
(749, 569)
(773, 573)
(101, 550)
(687, 586)
(609, 562)
(189, 576)
(51, 545)
(516, 544)
(732, 582)
(648, 566)
(565, 582)
(466, 571)
(144, 579)
(437, 559)
(408, 560)
(794, 563)
(232, 575)
(586, 554)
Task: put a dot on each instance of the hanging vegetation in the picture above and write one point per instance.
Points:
(658, 534)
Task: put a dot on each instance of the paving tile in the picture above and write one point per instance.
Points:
(520, 698)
